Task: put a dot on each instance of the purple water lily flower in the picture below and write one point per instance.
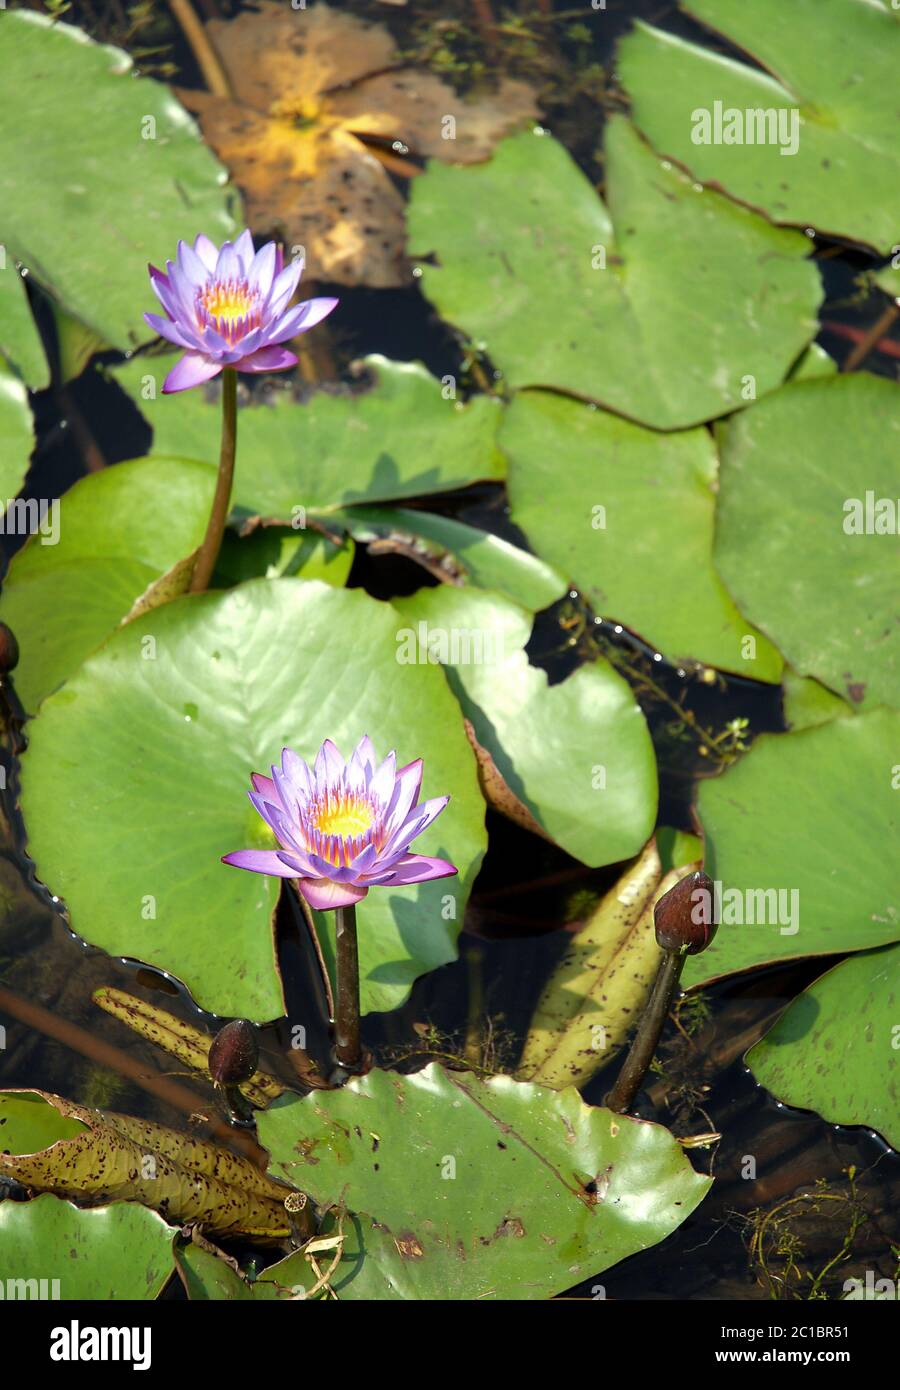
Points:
(343, 827)
(229, 308)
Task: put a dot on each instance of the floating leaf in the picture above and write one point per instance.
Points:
(274, 552)
(16, 436)
(834, 63)
(134, 848)
(577, 754)
(91, 1156)
(806, 535)
(116, 1252)
(795, 836)
(521, 1192)
(834, 1049)
(807, 702)
(20, 341)
(119, 532)
(398, 437)
(101, 171)
(668, 308)
(179, 1038)
(631, 519)
(309, 89)
(457, 553)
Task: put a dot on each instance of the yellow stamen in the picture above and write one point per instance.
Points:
(346, 817)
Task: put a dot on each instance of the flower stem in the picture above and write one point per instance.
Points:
(346, 1018)
(209, 550)
(646, 1038)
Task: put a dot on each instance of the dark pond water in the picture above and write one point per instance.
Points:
(767, 1238)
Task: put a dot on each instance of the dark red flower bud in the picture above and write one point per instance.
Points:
(9, 650)
(685, 917)
(234, 1053)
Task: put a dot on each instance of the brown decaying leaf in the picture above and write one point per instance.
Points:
(308, 87)
(118, 1157)
(497, 792)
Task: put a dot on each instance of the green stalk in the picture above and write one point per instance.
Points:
(346, 1014)
(212, 541)
(646, 1038)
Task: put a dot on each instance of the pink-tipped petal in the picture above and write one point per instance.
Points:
(267, 359)
(324, 894)
(192, 370)
(259, 861)
(301, 318)
(264, 785)
(418, 868)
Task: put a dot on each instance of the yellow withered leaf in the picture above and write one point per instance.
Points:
(595, 995)
(181, 1039)
(49, 1144)
(309, 89)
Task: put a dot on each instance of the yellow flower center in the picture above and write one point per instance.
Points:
(228, 301)
(344, 817)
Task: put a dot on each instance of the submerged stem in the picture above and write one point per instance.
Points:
(646, 1038)
(346, 1015)
(209, 550)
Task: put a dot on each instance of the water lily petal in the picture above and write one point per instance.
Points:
(259, 861)
(324, 894)
(268, 359)
(301, 318)
(417, 868)
(193, 368)
(207, 251)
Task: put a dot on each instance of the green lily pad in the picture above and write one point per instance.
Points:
(699, 302)
(275, 552)
(459, 553)
(834, 62)
(175, 725)
(397, 438)
(798, 469)
(631, 520)
(795, 835)
(118, 532)
(835, 1048)
(16, 436)
(20, 341)
(807, 702)
(100, 172)
(120, 1251)
(599, 805)
(521, 1192)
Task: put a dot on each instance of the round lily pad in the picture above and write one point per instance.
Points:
(136, 777)
(630, 518)
(101, 171)
(521, 1191)
(836, 1049)
(117, 1252)
(667, 303)
(806, 534)
(794, 836)
(834, 164)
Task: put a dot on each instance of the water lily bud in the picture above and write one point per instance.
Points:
(685, 917)
(9, 649)
(234, 1053)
